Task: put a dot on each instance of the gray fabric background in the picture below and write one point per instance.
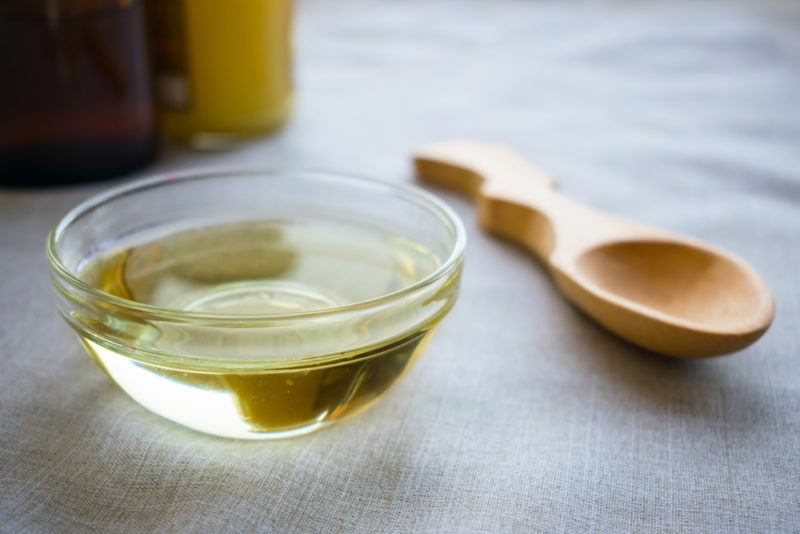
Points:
(522, 415)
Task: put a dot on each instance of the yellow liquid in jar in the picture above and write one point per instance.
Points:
(235, 67)
(264, 268)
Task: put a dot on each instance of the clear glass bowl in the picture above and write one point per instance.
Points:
(288, 301)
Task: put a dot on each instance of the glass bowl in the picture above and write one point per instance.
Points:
(256, 304)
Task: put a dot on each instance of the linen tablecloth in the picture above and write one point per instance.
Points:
(522, 415)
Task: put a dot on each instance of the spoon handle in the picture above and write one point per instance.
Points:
(518, 201)
(467, 165)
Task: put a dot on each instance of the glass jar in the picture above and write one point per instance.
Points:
(222, 69)
(75, 96)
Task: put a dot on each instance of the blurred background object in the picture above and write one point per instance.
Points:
(75, 97)
(221, 69)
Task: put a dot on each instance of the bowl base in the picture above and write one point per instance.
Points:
(262, 403)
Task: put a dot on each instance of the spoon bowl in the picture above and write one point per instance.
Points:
(715, 292)
(670, 296)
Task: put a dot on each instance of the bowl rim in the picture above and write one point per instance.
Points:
(408, 191)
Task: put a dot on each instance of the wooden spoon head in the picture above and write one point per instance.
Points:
(672, 297)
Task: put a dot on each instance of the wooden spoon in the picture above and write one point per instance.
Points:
(665, 292)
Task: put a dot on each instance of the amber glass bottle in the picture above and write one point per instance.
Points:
(75, 95)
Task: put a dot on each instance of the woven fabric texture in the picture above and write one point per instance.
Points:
(522, 415)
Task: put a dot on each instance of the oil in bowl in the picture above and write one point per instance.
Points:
(255, 268)
(242, 325)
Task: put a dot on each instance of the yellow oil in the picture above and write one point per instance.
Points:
(222, 69)
(264, 268)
